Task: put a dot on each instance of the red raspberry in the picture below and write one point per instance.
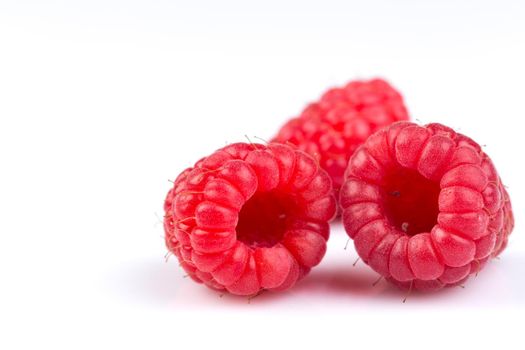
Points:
(332, 128)
(424, 205)
(250, 217)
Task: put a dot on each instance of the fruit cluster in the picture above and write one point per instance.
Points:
(424, 205)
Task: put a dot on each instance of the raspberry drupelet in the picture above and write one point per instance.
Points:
(250, 217)
(424, 205)
(332, 128)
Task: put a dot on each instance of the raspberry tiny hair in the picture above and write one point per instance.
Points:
(424, 205)
(332, 128)
(250, 217)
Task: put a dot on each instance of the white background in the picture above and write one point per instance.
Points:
(101, 102)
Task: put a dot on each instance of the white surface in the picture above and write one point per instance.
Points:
(101, 102)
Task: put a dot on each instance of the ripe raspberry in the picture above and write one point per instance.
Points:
(332, 128)
(250, 217)
(424, 205)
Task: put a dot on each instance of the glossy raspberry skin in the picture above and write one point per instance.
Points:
(332, 128)
(424, 205)
(250, 217)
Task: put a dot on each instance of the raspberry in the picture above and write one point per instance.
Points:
(332, 128)
(424, 205)
(250, 217)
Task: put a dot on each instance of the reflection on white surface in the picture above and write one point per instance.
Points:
(333, 286)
